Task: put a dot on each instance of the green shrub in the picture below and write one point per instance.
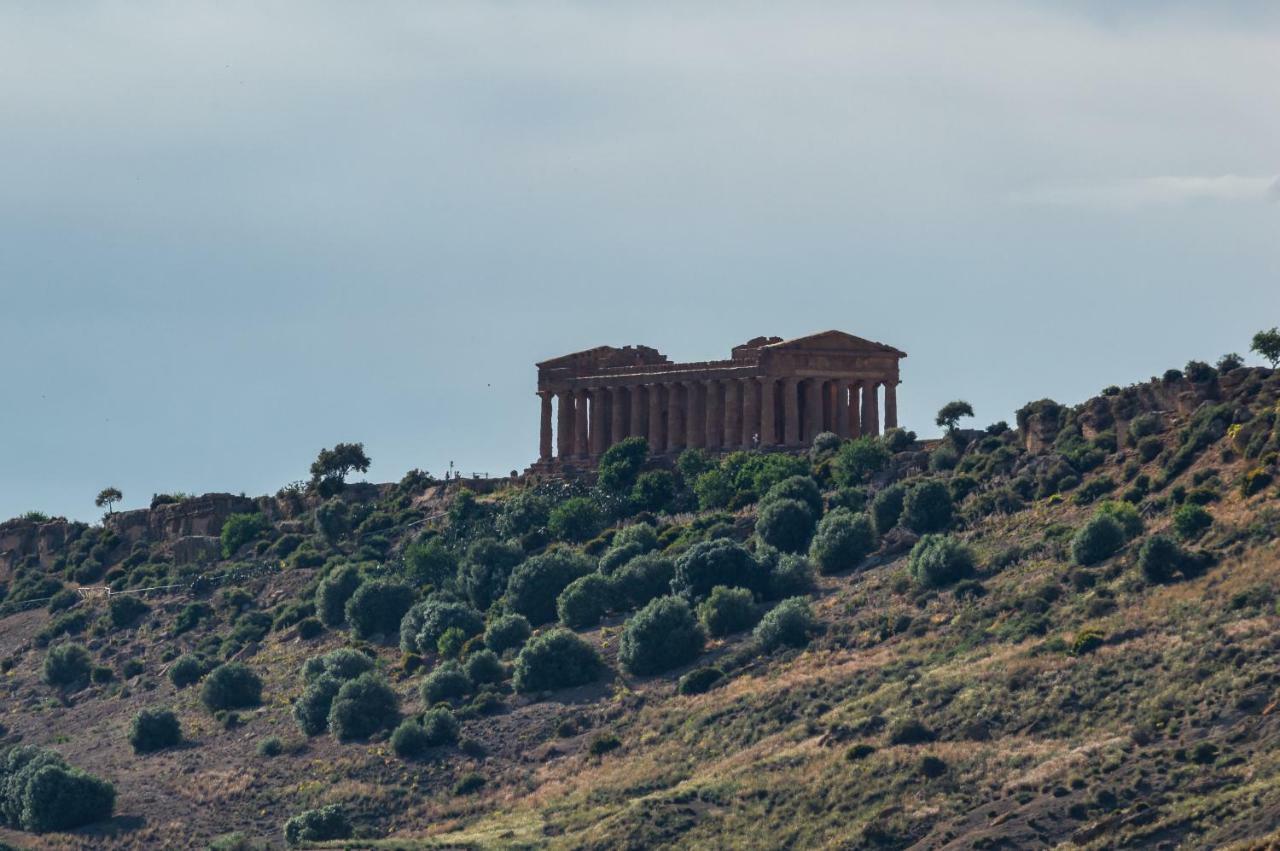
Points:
(487, 568)
(240, 529)
(321, 825)
(342, 664)
(1149, 448)
(447, 682)
(186, 669)
(311, 709)
(1145, 425)
(699, 680)
(1160, 558)
(1125, 514)
(524, 512)
(468, 783)
(309, 628)
(67, 665)
(927, 507)
(939, 560)
(231, 686)
(536, 584)
(132, 668)
(40, 793)
(427, 561)
(424, 624)
(1086, 641)
(1254, 482)
(441, 727)
(621, 463)
(617, 556)
(943, 458)
(909, 731)
(603, 743)
(270, 747)
(124, 609)
(710, 563)
(653, 491)
(63, 600)
(858, 460)
(410, 740)
(154, 729)
(575, 520)
(333, 592)
(790, 576)
(1098, 540)
(787, 624)
(553, 660)
(362, 707)
(1191, 521)
(786, 524)
(483, 666)
(727, 610)
(584, 601)
(854, 499)
(451, 643)
(843, 540)
(377, 608)
(508, 632)
(898, 439)
(661, 636)
(886, 507)
(642, 579)
(801, 488)
(190, 616)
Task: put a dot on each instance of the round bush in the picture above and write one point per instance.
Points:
(584, 601)
(186, 669)
(409, 740)
(1099, 539)
(555, 659)
(642, 579)
(427, 561)
(154, 729)
(322, 825)
(483, 666)
(311, 710)
(124, 609)
(446, 682)
(231, 686)
(843, 540)
(535, 585)
(487, 568)
(362, 707)
(508, 632)
(886, 508)
(1191, 521)
(333, 592)
(40, 793)
(790, 576)
(661, 636)
(621, 463)
(710, 563)
(927, 507)
(786, 524)
(1125, 514)
(425, 622)
(1160, 558)
(642, 535)
(309, 628)
(858, 459)
(938, 560)
(342, 664)
(727, 610)
(575, 520)
(67, 665)
(699, 680)
(377, 608)
(801, 488)
(441, 727)
(787, 624)
(616, 556)
(524, 512)
(653, 491)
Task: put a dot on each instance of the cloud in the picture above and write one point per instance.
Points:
(1231, 188)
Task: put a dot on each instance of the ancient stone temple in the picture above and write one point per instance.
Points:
(770, 393)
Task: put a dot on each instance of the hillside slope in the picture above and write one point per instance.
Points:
(1105, 694)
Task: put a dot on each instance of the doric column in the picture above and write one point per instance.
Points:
(617, 415)
(870, 410)
(855, 409)
(655, 436)
(715, 415)
(677, 409)
(732, 413)
(812, 409)
(768, 412)
(638, 411)
(564, 424)
(750, 413)
(580, 433)
(544, 431)
(695, 433)
(890, 405)
(842, 409)
(599, 426)
(791, 411)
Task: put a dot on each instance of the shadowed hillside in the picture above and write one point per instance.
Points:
(1062, 632)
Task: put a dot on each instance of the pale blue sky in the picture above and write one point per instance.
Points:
(233, 233)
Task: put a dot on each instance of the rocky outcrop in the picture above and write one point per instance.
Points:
(21, 538)
(201, 515)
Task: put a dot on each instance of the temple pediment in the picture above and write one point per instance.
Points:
(835, 341)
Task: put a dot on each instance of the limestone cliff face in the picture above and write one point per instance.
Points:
(21, 538)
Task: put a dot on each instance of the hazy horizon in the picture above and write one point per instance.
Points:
(233, 234)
